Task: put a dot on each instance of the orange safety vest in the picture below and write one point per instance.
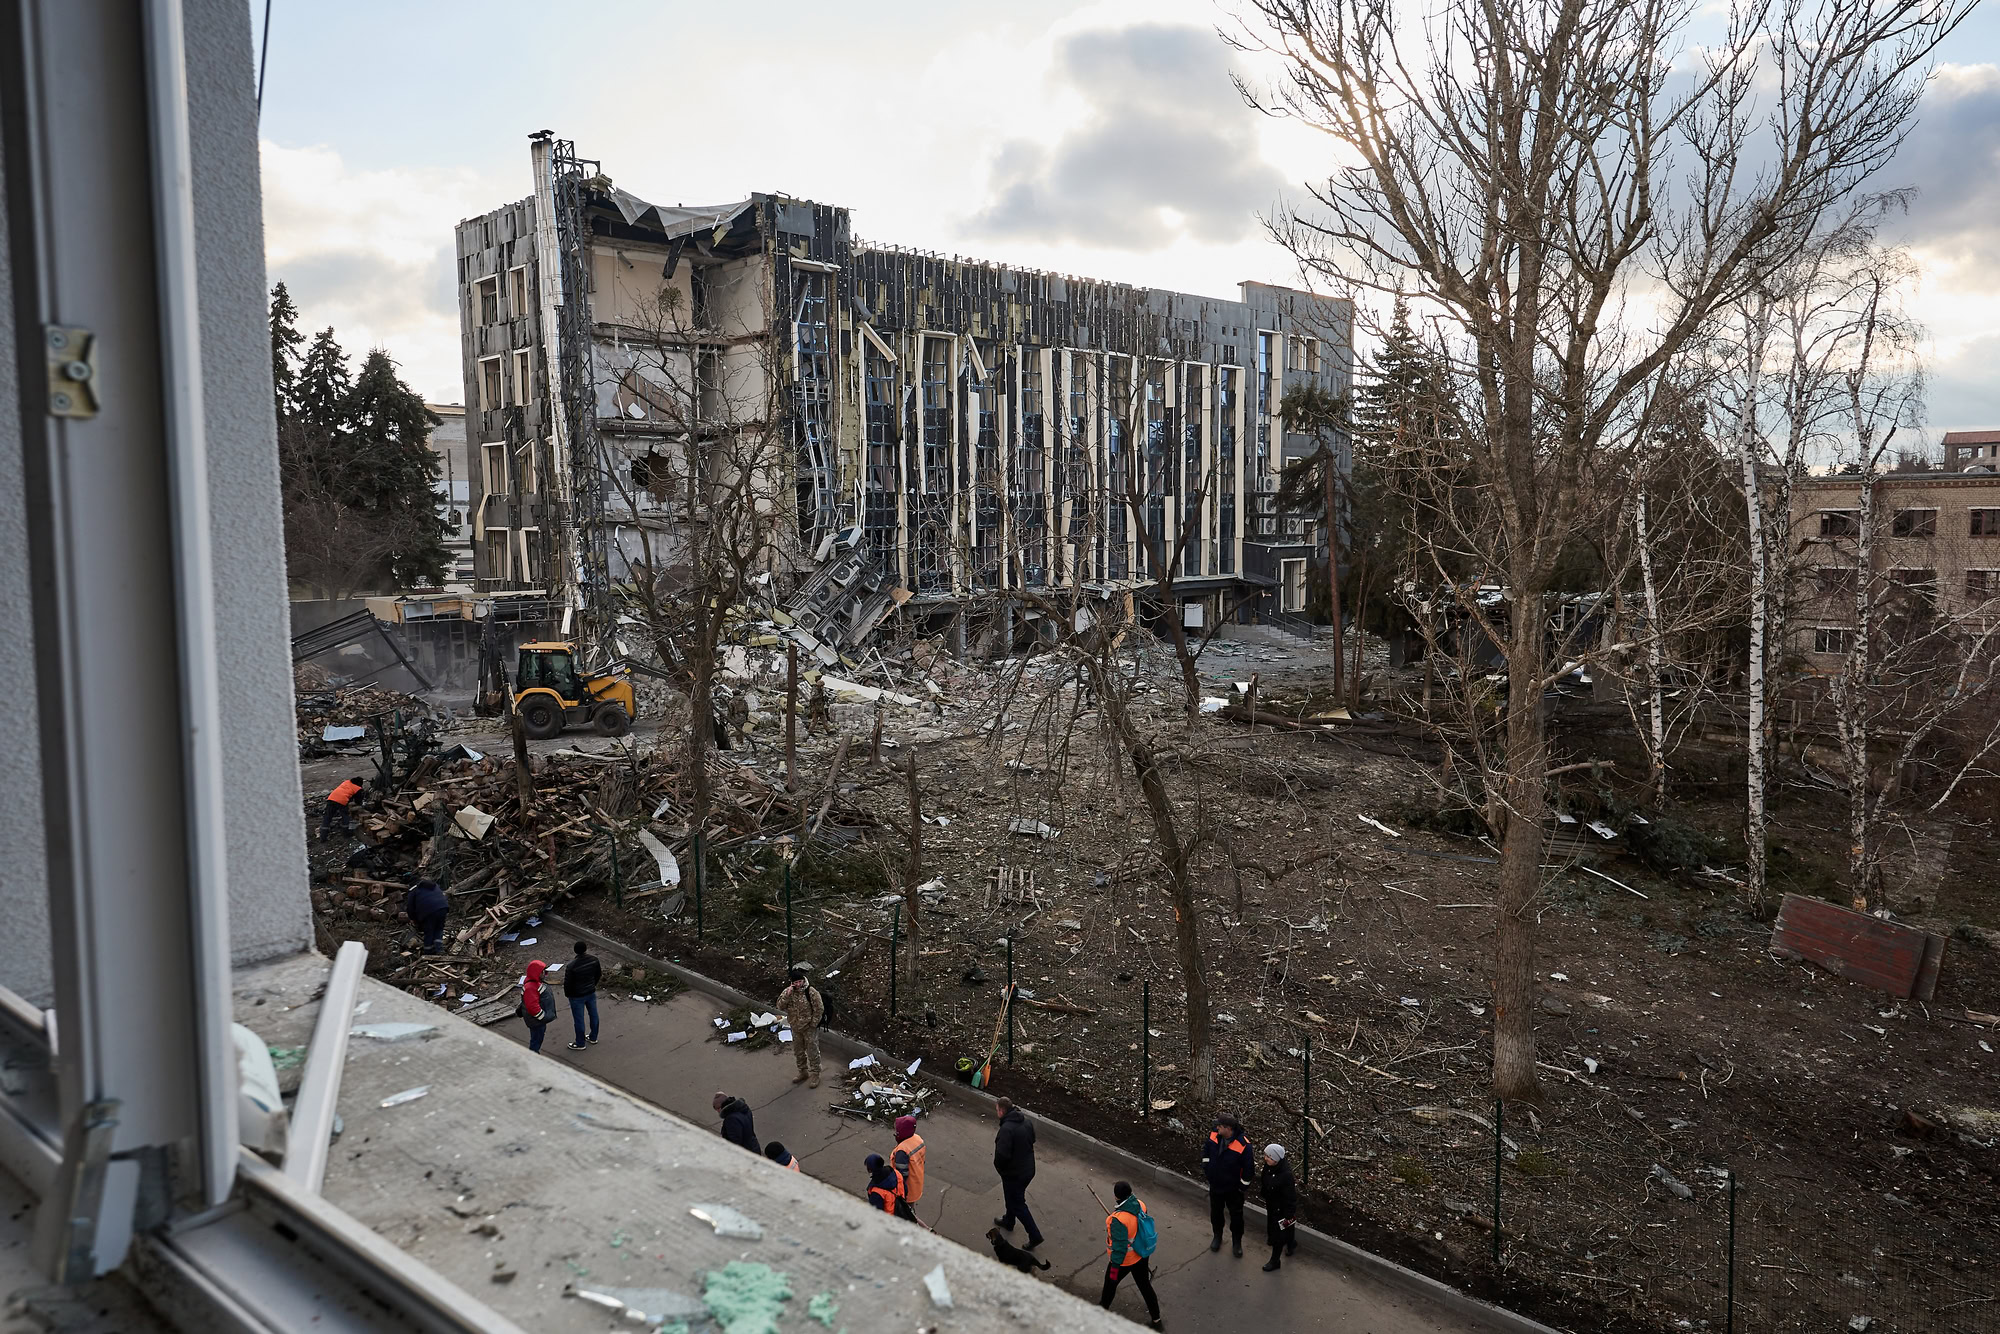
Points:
(1128, 1220)
(886, 1198)
(913, 1180)
(343, 794)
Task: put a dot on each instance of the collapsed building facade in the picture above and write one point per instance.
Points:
(971, 435)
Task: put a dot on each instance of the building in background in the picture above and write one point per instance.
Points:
(455, 486)
(980, 432)
(1935, 550)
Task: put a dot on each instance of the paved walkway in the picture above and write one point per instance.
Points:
(662, 1053)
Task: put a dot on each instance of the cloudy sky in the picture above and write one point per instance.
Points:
(1100, 138)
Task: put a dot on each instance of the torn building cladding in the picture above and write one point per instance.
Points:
(964, 429)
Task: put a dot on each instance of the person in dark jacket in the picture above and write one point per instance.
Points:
(425, 906)
(580, 985)
(1225, 1160)
(1014, 1160)
(538, 1004)
(1281, 1204)
(737, 1126)
(782, 1156)
(885, 1187)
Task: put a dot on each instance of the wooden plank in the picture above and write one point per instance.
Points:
(1887, 956)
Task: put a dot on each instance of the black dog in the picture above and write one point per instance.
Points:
(1008, 1254)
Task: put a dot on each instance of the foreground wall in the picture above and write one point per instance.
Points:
(269, 910)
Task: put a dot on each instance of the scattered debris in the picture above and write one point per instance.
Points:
(407, 1095)
(727, 1221)
(940, 1290)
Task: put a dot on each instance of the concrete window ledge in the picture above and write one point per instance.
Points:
(521, 1180)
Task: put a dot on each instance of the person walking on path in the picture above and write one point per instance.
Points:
(885, 1188)
(909, 1158)
(738, 1126)
(1014, 1160)
(782, 1156)
(425, 905)
(338, 806)
(1225, 1159)
(1281, 1204)
(803, 1008)
(1129, 1238)
(580, 985)
(538, 1004)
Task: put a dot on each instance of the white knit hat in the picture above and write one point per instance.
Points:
(1275, 1152)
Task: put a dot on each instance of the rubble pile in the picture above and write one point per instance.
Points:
(330, 705)
(615, 822)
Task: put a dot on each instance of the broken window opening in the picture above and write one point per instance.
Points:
(489, 301)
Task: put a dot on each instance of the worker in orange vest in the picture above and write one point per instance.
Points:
(909, 1158)
(337, 805)
(1225, 1160)
(1129, 1239)
(782, 1156)
(885, 1188)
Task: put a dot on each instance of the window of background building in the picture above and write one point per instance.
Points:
(1832, 639)
(524, 376)
(1293, 573)
(1982, 585)
(496, 554)
(1836, 581)
(1839, 523)
(491, 396)
(530, 473)
(517, 291)
(531, 554)
(489, 300)
(1914, 523)
(1985, 523)
(493, 460)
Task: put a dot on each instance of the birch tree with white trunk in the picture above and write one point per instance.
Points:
(1533, 169)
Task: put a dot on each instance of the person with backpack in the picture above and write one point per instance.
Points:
(1129, 1239)
(1281, 1204)
(580, 985)
(538, 1004)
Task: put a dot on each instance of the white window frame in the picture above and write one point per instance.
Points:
(1287, 579)
(529, 554)
(480, 290)
(518, 291)
(1847, 635)
(493, 468)
(503, 539)
(493, 389)
(524, 376)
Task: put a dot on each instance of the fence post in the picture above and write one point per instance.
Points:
(788, 912)
(895, 937)
(617, 873)
(1010, 998)
(1306, 1125)
(1499, 1134)
(1146, 1049)
(700, 867)
(1729, 1319)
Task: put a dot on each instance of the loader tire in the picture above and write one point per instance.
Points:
(540, 718)
(611, 720)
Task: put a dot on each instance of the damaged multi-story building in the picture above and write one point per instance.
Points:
(976, 434)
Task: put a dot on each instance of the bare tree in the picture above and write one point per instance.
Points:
(1533, 169)
(698, 531)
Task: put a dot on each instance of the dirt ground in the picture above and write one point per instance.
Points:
(1863, 1133)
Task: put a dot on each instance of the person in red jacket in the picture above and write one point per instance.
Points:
(337, 805)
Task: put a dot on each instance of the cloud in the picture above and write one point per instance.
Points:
(1952, 157)
(1164, 149)
(370, 252)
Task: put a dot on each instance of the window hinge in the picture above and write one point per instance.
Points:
(72, 371)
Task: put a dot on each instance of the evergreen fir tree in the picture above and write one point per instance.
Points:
(324, 386)
(285, 341)
(392, 472)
